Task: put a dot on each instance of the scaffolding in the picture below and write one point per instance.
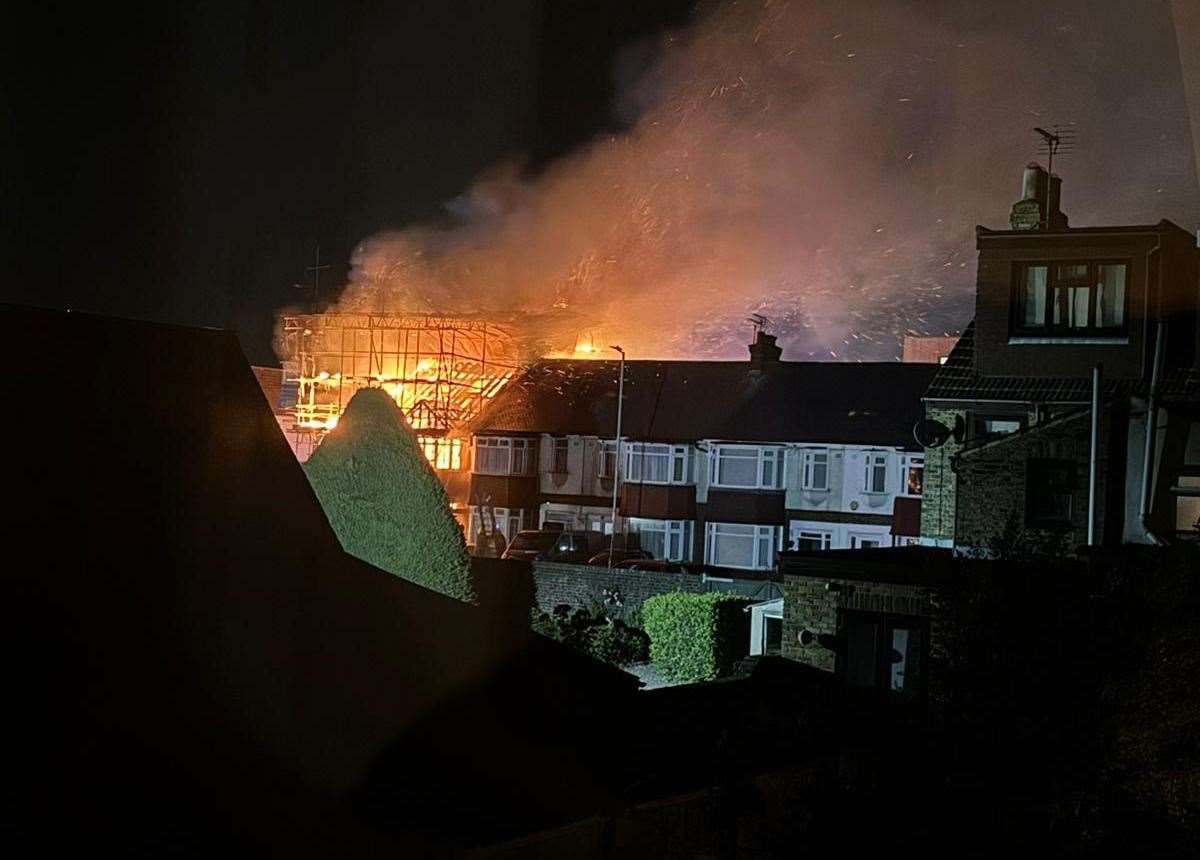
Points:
(440, 370)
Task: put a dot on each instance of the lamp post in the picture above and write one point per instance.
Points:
(612, 538)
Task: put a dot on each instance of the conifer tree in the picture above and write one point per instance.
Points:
(383, 500)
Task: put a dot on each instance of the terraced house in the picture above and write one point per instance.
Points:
(1069, 411)
(720, 463)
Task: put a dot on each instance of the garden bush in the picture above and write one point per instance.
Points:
(594, 633)
(383, 500)
(696, 637)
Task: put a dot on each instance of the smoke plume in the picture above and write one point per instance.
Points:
(821, 163)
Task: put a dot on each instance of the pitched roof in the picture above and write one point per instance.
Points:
(668, 401)
(957, 380)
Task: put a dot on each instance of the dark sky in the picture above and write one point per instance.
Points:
(181, 162)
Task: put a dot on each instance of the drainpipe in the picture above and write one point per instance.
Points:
(1091, 529)
(1146, 501)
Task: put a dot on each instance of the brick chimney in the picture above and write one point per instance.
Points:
(764, 352)
(1041, 196)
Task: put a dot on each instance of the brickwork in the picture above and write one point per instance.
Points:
(808, 604)
(992, 483)
(938, 495)
(582, 586)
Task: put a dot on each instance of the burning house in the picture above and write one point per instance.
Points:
(440, 370)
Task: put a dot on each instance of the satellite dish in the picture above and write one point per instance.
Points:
(930, 433)
(934, 434)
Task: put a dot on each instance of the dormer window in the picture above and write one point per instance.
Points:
(1074, 299)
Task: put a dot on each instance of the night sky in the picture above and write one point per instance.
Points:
(181, 162)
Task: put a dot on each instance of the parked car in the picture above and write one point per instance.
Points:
(549, 545)
(619, 555)
(652, 564)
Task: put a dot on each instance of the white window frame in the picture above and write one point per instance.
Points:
(606, 461)
(677, 532)
(767, 542)
(767, 459)
(910, 464)
(560, 444)
(872, 462)
(808, 468)
(824, 537)
(519, 452)
(506, 518)
(677, 462)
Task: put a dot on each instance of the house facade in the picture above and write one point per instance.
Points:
(722, 464)
(1064, 315)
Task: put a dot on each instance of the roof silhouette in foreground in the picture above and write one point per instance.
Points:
(199, 665)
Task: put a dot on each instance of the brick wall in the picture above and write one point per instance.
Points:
(809, 605)
(581, 585)
(992, 482)
(939, 488)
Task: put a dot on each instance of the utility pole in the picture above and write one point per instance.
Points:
(612, 539)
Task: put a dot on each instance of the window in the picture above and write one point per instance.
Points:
(656, 463)
(866, 541)
(1073, 299)
(562, 448)
(1049, 492)
(442, 453)
(985, 426)
(814, 473)
(746, 467)
(875, 472)
(498, 455)
(668, 540)
(607, 465)
(503, 456)
(914, 477)
(492, 455)
(746, 546)
(806, 541)
(484, 518)
(884, 653)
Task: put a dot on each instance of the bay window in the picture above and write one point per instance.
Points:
(807, 540)
(814, 473)
(914, 477)
(656, 463)
(502, 455)
(746, 467)
(667, 540)
(750, 547)
(483, 519)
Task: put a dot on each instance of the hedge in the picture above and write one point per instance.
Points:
(696, 637)
(383, 500)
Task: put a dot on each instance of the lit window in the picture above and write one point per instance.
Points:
(815, 472)
(750, 547)
(914, 477)
(746, 467)
(442, 453)
(1076, 298)
(875, 473)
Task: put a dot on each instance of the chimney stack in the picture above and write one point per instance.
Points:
(1041, 196)
(764, 352)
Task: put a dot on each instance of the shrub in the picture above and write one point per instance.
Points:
(593, 633)
(383, 500)
(696, 637)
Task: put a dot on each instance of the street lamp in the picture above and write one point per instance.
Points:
(612, 538)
